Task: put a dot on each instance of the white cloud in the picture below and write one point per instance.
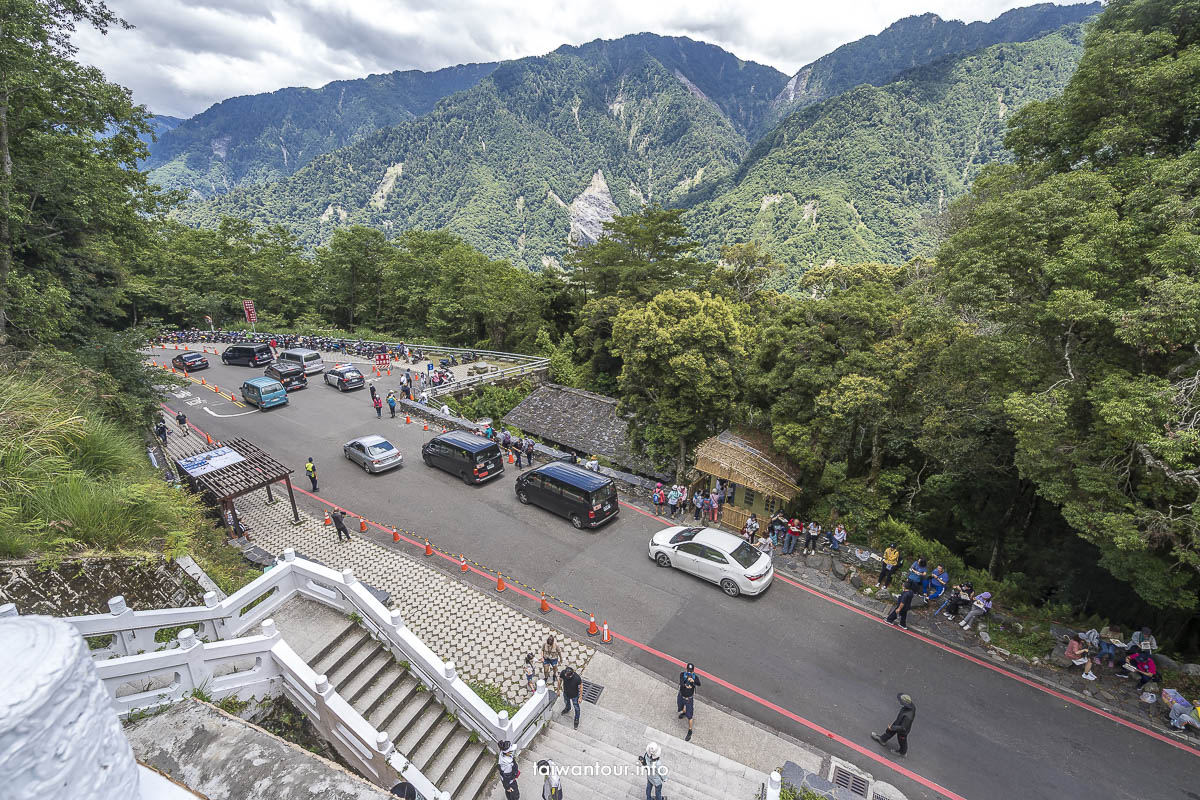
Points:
(184, 56)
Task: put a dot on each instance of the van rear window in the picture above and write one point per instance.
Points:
(486, 453)
(313, 357)
(604, 494)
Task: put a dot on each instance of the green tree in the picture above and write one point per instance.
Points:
(683, 360)
(1075, 269)
(744, 272)
(351, 268)
(73, 205)
(637, 256)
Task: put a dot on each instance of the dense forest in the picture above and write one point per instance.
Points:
(1023, 404)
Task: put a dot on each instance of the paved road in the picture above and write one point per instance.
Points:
(980, 734)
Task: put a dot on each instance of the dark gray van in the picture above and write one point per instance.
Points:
(472, 458)
(587, 498)
(250, 355)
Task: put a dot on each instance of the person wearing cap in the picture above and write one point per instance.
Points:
(405, 790)
(686, 698)
(507, 765)
(659, 498)
(900, 610)
(655, 774)
(551, 783)
(902, 725)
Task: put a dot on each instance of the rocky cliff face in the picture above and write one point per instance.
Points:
(590, 210)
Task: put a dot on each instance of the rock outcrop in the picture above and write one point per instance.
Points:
(590, 210)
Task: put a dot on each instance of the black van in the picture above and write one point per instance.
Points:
(588, 498)
(472, 458)
(251, 355)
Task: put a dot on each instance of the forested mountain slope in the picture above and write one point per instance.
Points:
(538, 154)
(862, 176)
(913, 42)
(264, 137)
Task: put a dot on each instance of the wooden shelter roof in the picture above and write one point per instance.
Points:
(747, 460)
(257, 469)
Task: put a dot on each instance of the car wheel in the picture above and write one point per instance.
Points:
(366, 469)
(428, 461)
(465, 478)
(524, 498)
(663, 560)
(729, 587)
(346, 453)
(577, 521)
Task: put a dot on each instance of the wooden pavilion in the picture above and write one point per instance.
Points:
(234, 469)
(760, 481)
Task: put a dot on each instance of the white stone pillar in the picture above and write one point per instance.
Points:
(59, 734)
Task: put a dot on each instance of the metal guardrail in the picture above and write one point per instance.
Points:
(130, 657)
(489, 377)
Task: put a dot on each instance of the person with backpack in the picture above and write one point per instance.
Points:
(697, 504)
(391, 401)
(686, 697)
(160, 430)
(655, 774)
(551, 781)
(659, 498)
(529, 448)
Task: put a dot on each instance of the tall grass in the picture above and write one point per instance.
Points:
(72, 480)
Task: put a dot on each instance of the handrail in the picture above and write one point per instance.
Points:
(486, 377)
(133, 633)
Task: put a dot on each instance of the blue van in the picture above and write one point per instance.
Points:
(264, 393)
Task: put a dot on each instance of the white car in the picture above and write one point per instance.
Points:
(727, 560)
(373, 453)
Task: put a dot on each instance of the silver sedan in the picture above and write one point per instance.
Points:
(373, 453)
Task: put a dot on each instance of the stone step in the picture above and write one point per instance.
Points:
(425, 749)
(477, 780)
(632, 785)
(353, 664)
(340, 649)
(441, 764)
(411, 735)
(375, 668)
(388, 709)
(417, 704)
(380, 691)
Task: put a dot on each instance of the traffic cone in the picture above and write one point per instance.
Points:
(545, 607)
(204, 381)
(185, 374)
(328, 521)
(389, 372)
(605, 636)
(407, 419)
(209, 438)
(462, 563)
(510, 458)
(362, 524)
(395, 534)
(500, 587)
(216, 388)
(428, 548)
(426, 425)
(592, 629)
(173, 372)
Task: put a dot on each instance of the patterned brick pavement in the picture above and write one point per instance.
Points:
(486, 638)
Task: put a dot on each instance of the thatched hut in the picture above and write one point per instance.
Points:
(760, 480)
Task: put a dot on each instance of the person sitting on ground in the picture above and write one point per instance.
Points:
(1142, 640)
(1079, 655)
(938, 580)
(1111, 640)
(958, 598)
(1143, 666)
(1185, 715)
(980, 606)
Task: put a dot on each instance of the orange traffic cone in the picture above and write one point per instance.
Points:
(395, 534)
(428, 548)
(216, 388)
(173, 372)
(328, 521)
(545, 607)
(500, 587)
(407, 419)
(426, 425)
(204, 381)
(462, 563)
(185, 374)
(209, 438)
(592, 629)
(605, 636)
(510, 458)
(362, 524)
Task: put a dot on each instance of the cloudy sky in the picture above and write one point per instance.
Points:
(185, 55)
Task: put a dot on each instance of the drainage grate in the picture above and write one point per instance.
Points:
(590, 692)
(848, 780)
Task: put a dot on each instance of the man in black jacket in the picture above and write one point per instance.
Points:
(339, 522)
(901, 726)
(688, 681)
(569, 684)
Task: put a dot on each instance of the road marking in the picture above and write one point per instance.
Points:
(239, 414)
(196, 401)
(861, 750)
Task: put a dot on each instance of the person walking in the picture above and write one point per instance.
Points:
(374, 394)
(518, 447)
(391, 401)
(903, 604)
(339, 522)
(551, 655)
(551, 781)
(378, 403)
(529, 448)
(507, 766)
(181, 421)
(902, 725)
(310, 469)
(569, 684)
(686, 698)
(160, 430)
(655, 774)
(529, 673)
(659, 498)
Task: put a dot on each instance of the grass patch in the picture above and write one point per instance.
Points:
(789, 792)
(1030, 644)
(165, 635)
(492, 696)
(222, 563)
(246, 609)
(233, 704)
(201, 693)
(99, 642)
(354, 617)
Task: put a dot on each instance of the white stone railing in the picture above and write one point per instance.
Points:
(133, 632)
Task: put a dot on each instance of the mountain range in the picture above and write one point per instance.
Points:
(849, 158)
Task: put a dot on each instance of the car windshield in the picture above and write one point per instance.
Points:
(380, 448)
(746, 555)
(685, 535)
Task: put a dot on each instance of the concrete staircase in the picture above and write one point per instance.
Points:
(389, 697)
(608, 739)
